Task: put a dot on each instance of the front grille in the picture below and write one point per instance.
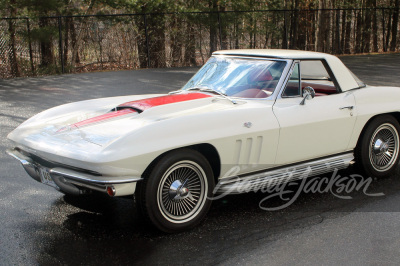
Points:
(52, 164)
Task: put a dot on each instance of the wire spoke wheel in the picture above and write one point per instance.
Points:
(384, 147)
(174, 193)
(182, 191)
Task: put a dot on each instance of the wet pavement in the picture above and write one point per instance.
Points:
(42, 226)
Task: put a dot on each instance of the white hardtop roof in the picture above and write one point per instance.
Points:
(343, 76)
(275, 53)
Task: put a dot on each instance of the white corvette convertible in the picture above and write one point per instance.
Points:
(247, 119)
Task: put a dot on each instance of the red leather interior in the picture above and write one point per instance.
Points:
(324, 89)
(320, 89)
(260, 76)
(251, 93)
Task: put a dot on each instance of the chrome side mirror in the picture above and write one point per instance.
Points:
(308, 93)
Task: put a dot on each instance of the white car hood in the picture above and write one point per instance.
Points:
(50, 132)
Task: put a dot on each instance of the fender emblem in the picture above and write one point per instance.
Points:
(248, 124)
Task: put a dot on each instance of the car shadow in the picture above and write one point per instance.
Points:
(98, 229)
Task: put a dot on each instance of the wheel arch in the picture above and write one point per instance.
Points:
(396, 115)
(207, 150)
(364, 163)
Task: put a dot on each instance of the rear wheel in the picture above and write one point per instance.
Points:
(378, 151)
(174, 194)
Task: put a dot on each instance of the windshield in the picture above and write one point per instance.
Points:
(246, 78)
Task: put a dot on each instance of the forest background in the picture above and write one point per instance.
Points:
(41, 37)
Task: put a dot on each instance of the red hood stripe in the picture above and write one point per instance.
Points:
(104, 117)
(167, 99)
(139, 105)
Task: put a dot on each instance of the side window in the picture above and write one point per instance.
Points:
(315, 75)
(310, 73)
(293, 88)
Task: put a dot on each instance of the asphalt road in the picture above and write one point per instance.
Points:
(39, 225)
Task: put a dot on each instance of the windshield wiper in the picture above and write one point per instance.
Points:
(207, 89)
(175, 92)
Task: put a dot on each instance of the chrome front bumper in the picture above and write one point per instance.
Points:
(75, 182)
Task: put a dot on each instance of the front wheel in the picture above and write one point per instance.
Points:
(378, 152)
(174, 194)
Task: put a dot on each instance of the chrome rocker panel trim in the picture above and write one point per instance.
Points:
(271, 178)
(74, 182)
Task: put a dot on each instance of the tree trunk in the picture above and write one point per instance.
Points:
(224, 33)
(367, 27)
(157, 40)
(236, 32)
(66, 38)
(213, 5)
(358, 43)
(302, 23)
(254, 30)
(330, 23)
(141, 22)
(389, 30)
(28, 27)
(12, 55)
(284, 37)
(323, 21)
(338, 49)
(267, 34)
(176, 40)
(190, 51)
(375, 28)
(343, 33)
(395, 24)
(295, 26)
(201, 46)
(213, 34)
(46, 46)
(76, 38)
(313, 35)
(251, 30)
(347, 48)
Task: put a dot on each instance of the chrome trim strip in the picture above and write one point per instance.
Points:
(77, 176)
(237, 185)
(17, 155)
(63, 182)
(29, 166)
(287, 78)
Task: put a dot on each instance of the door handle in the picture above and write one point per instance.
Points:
(347, 107)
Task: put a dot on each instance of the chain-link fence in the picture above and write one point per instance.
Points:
(68, 44)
